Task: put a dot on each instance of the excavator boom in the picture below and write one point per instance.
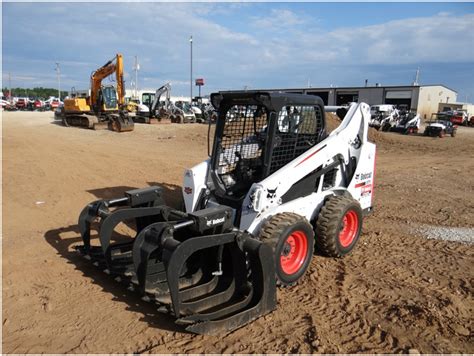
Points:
(113, 66)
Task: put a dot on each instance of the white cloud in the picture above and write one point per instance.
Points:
(437, 39)
(278, 19)
(282, 47)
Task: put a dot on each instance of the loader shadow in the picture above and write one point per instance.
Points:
(62, 241)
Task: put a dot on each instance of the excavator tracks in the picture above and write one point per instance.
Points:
(84, 121)
(114, 122)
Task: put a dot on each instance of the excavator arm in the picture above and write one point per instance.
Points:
(113, 66)
(159, 92)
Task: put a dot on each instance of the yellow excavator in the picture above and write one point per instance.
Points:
(104, 107)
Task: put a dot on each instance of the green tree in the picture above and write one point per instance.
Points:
(35, 93)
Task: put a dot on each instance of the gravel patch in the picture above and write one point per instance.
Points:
(457, 234)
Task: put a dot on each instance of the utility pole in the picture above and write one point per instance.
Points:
(10, 85)
(136, 68)
(417, 77)
(191, 72)
(58, 72)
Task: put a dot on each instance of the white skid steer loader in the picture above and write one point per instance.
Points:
(275, 185)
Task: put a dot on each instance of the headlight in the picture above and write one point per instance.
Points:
(256, 200)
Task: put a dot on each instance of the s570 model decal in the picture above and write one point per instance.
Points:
(363, 176)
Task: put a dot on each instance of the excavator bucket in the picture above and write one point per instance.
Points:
(121, 122)
(196, 266)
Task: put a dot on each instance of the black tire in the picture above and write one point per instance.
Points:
(331, 239)
(453, 133)
(291, 238)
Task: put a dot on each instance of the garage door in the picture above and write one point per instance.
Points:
(398, 94)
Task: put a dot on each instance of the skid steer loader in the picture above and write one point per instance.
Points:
(275, 185)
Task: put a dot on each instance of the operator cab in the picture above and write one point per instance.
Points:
(257, 133)
(108, 98)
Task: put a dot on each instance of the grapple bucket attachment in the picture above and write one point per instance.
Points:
(211, 277)
(213, 283)
(244, 291)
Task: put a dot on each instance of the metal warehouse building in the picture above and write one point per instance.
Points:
(424, 99)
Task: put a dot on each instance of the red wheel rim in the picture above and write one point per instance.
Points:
(350, 225)
(294, 252)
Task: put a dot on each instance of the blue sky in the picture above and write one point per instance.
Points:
(258, 45)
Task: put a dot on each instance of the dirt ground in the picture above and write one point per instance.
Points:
(397, 291)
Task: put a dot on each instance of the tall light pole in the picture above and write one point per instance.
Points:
(58, 72)
(191, 73)
(136, 68)
(10, 85)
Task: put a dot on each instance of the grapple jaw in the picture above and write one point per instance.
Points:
(240, 289)
(212, 277)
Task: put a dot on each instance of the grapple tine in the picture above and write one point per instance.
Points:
(145, 206)
(211, 300)
(175, 254)
(146, 243)
(235, 305)
(87, 216)
(111, 221)
(199, 290)
(224, 309)
(262, 295)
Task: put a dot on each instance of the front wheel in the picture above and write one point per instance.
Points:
(338, 226)
(453, 133)
(291, 238)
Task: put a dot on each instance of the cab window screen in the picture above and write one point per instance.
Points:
(298, 129)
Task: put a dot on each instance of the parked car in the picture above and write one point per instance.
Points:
(55, 104)
(38, 105)
(458, 117)
(22, 104)
(440, 126)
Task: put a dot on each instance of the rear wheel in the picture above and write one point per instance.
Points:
(453, 133)
(292, 240)
(409, 131)
(338, 226)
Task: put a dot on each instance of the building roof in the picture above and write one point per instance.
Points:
(362, 87)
